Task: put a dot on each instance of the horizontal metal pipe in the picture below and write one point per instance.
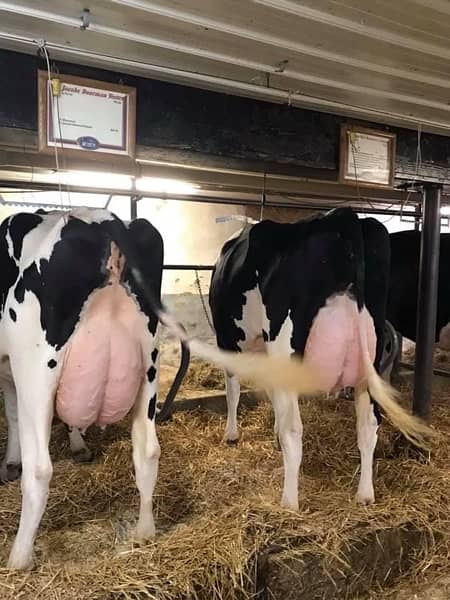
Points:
(299, 205)
(440, 372)
(188, 267)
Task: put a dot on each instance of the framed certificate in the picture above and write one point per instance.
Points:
(86, 116)
(367, 157)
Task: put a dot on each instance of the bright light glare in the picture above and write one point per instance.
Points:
(445, 211)
(159, 185)
(97, 179)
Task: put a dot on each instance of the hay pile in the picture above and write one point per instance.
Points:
(202, 375)
(216, 508)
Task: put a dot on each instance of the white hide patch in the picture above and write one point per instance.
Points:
(282, 343)
(252, 320)
(32, 337)
(10, 245)
(91, 215)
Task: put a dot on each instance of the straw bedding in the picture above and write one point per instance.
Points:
(216, 508)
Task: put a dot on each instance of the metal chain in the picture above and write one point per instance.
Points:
(197, 281)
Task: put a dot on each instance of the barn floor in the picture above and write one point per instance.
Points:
(221, 534)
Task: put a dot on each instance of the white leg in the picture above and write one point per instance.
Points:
(35, 397)
(80, 451)
(290, 431)
(233, 390)
(11, 466)
(146, 452)
(367, 426)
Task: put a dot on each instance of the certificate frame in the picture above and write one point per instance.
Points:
(383, 142)
(76, 146)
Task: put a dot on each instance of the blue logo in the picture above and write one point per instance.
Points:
(88, 143)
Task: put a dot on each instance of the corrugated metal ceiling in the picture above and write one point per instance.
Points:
(375, 59)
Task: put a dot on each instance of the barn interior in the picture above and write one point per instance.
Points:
(242, 112)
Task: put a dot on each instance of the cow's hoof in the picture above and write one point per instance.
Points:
(289, 504)
(18, 562)
(365, 498)
(83, 456)
(144, 532)
(10, 472)
(231, 438)
(231, 442)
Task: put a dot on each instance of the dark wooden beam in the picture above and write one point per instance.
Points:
(197, 126)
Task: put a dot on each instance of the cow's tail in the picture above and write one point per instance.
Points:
(267, 372)
(120, 235)
(414, 429)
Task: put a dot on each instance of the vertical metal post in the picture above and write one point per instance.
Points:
(133, 207)
(427, 299)
(417, 218)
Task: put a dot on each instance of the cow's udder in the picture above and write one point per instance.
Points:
(103, 368)
(334, 343)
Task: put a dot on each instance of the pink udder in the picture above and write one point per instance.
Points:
(103, 366)
(334, 345)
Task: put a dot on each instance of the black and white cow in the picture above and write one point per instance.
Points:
(78, 335)
(404, 281)
(317, 289)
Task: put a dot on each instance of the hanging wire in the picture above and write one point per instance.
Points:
(263, 197)
(53, 97)
(202, 299)
(50, 90)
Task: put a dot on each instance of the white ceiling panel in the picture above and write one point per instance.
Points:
(376, 59)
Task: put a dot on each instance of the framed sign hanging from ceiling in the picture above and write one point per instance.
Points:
(86, 116)
(367, 156)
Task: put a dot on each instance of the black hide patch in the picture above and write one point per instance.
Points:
(52, 363)
(12, 314)
(152, 407)
(151, 374)
(154, 355)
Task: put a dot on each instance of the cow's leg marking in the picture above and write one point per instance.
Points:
(290, 431)
(11, 467)
(367, 426)
(233, 390)
(146, 452)
(35, 397)
(80, 452)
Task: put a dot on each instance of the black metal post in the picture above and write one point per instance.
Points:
(418, 217)
(427, 299)
(133, 207)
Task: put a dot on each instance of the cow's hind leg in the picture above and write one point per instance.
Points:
(233, 390)
(367, 426)
(11, 467)
(290, 431)
(35, 397)
(80, 452)
(146, 452)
